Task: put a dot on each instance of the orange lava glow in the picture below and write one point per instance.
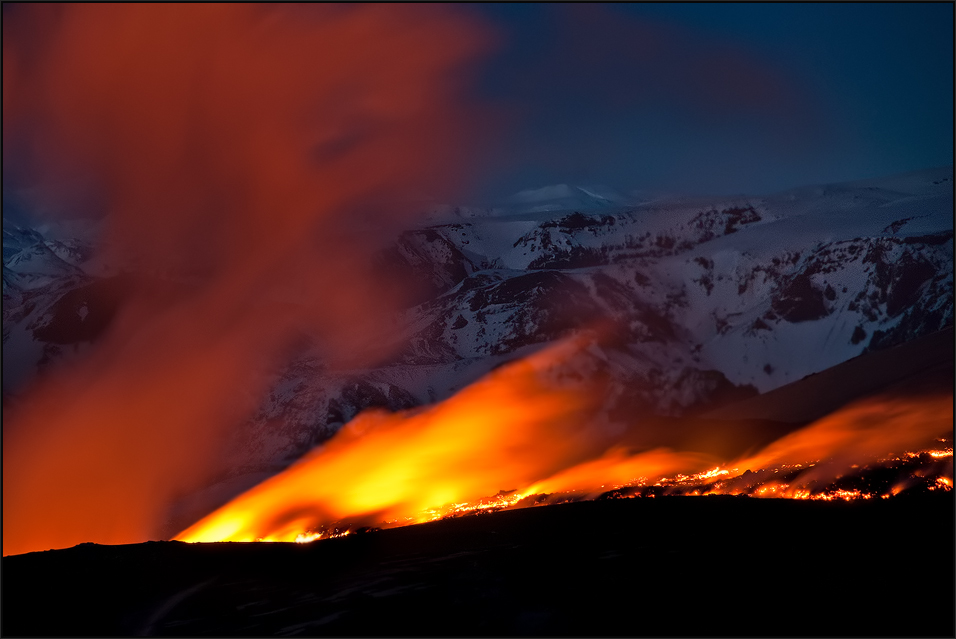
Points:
(234, 151)
(863, 432)
(619, 468)
(516, 432)
(508, 429)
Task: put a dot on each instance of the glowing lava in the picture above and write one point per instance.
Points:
(508, 429)
(518, 428)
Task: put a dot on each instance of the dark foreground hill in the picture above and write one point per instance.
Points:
(660, 567)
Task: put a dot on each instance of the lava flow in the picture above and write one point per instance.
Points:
(510, 428)
(526, 439)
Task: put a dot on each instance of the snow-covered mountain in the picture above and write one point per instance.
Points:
(692, 302)
(563, 197)
(48, 275)
(698, 301)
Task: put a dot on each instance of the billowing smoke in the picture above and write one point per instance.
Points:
(247, 160)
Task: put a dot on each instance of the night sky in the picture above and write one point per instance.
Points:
(718, 98)
(699, 98)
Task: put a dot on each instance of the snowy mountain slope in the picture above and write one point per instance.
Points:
(563, 197)
(725, 276)
(690, 302)
(49, 300)
(31, 261)
(694, 302)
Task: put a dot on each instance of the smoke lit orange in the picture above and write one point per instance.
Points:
(234, 151)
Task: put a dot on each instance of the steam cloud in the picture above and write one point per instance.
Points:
(243, 152)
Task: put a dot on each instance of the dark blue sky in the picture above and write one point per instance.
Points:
(718, 98)
(708, 98)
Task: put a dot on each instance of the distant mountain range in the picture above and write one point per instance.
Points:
(694, 303)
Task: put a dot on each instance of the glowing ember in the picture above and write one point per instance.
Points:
(716, 472)
(304, 538)
(845, 495)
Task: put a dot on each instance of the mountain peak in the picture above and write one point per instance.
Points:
(559, 197)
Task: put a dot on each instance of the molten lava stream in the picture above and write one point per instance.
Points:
(509, 429)
(518, 427)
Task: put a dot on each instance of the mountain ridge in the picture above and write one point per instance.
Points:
(689, 303)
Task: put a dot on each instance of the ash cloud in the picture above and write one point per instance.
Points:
(240, 155)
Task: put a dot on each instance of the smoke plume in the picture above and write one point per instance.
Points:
(240, 156)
